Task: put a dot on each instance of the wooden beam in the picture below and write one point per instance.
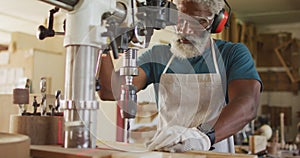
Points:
(287, 69)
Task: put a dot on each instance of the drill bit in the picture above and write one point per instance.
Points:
(126, 130)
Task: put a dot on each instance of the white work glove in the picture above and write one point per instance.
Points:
(179, 139)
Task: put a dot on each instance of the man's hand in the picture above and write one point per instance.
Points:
(179, 139)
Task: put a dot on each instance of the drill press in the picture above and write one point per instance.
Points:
(92, 27)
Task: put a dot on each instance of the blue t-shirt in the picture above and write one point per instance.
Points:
(234, 61)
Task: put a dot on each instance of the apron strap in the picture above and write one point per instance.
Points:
(168, 64)
(214, 55)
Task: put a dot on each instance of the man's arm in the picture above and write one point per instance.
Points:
(242, 107)
(111, 81)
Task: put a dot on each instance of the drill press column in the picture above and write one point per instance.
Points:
(80, 104)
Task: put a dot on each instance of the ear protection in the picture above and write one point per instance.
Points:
(221, 20)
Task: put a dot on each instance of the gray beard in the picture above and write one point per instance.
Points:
(192, 49)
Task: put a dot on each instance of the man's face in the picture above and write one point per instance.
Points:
(194, 19)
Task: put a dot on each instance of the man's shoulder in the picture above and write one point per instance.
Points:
(222, 45)
(158, 50)
(161, 47)
(229, 49)
(156, 53)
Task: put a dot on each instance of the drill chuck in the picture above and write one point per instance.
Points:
(128, 101)
(129, 67)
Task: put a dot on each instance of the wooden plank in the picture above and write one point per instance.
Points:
(282, 61)
(54, 151)
(121, 150)
(155, 155)
(257, 143)
(291, 64)
(210, 154)
(141, 148)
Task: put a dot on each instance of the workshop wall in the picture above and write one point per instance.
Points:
(30, 58)
(281, 91)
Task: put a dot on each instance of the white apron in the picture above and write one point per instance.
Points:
(192, 99)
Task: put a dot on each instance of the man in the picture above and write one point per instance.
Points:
(207, 90)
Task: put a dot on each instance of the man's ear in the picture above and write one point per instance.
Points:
(220, 21)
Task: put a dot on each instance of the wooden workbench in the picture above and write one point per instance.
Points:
(121, 150)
